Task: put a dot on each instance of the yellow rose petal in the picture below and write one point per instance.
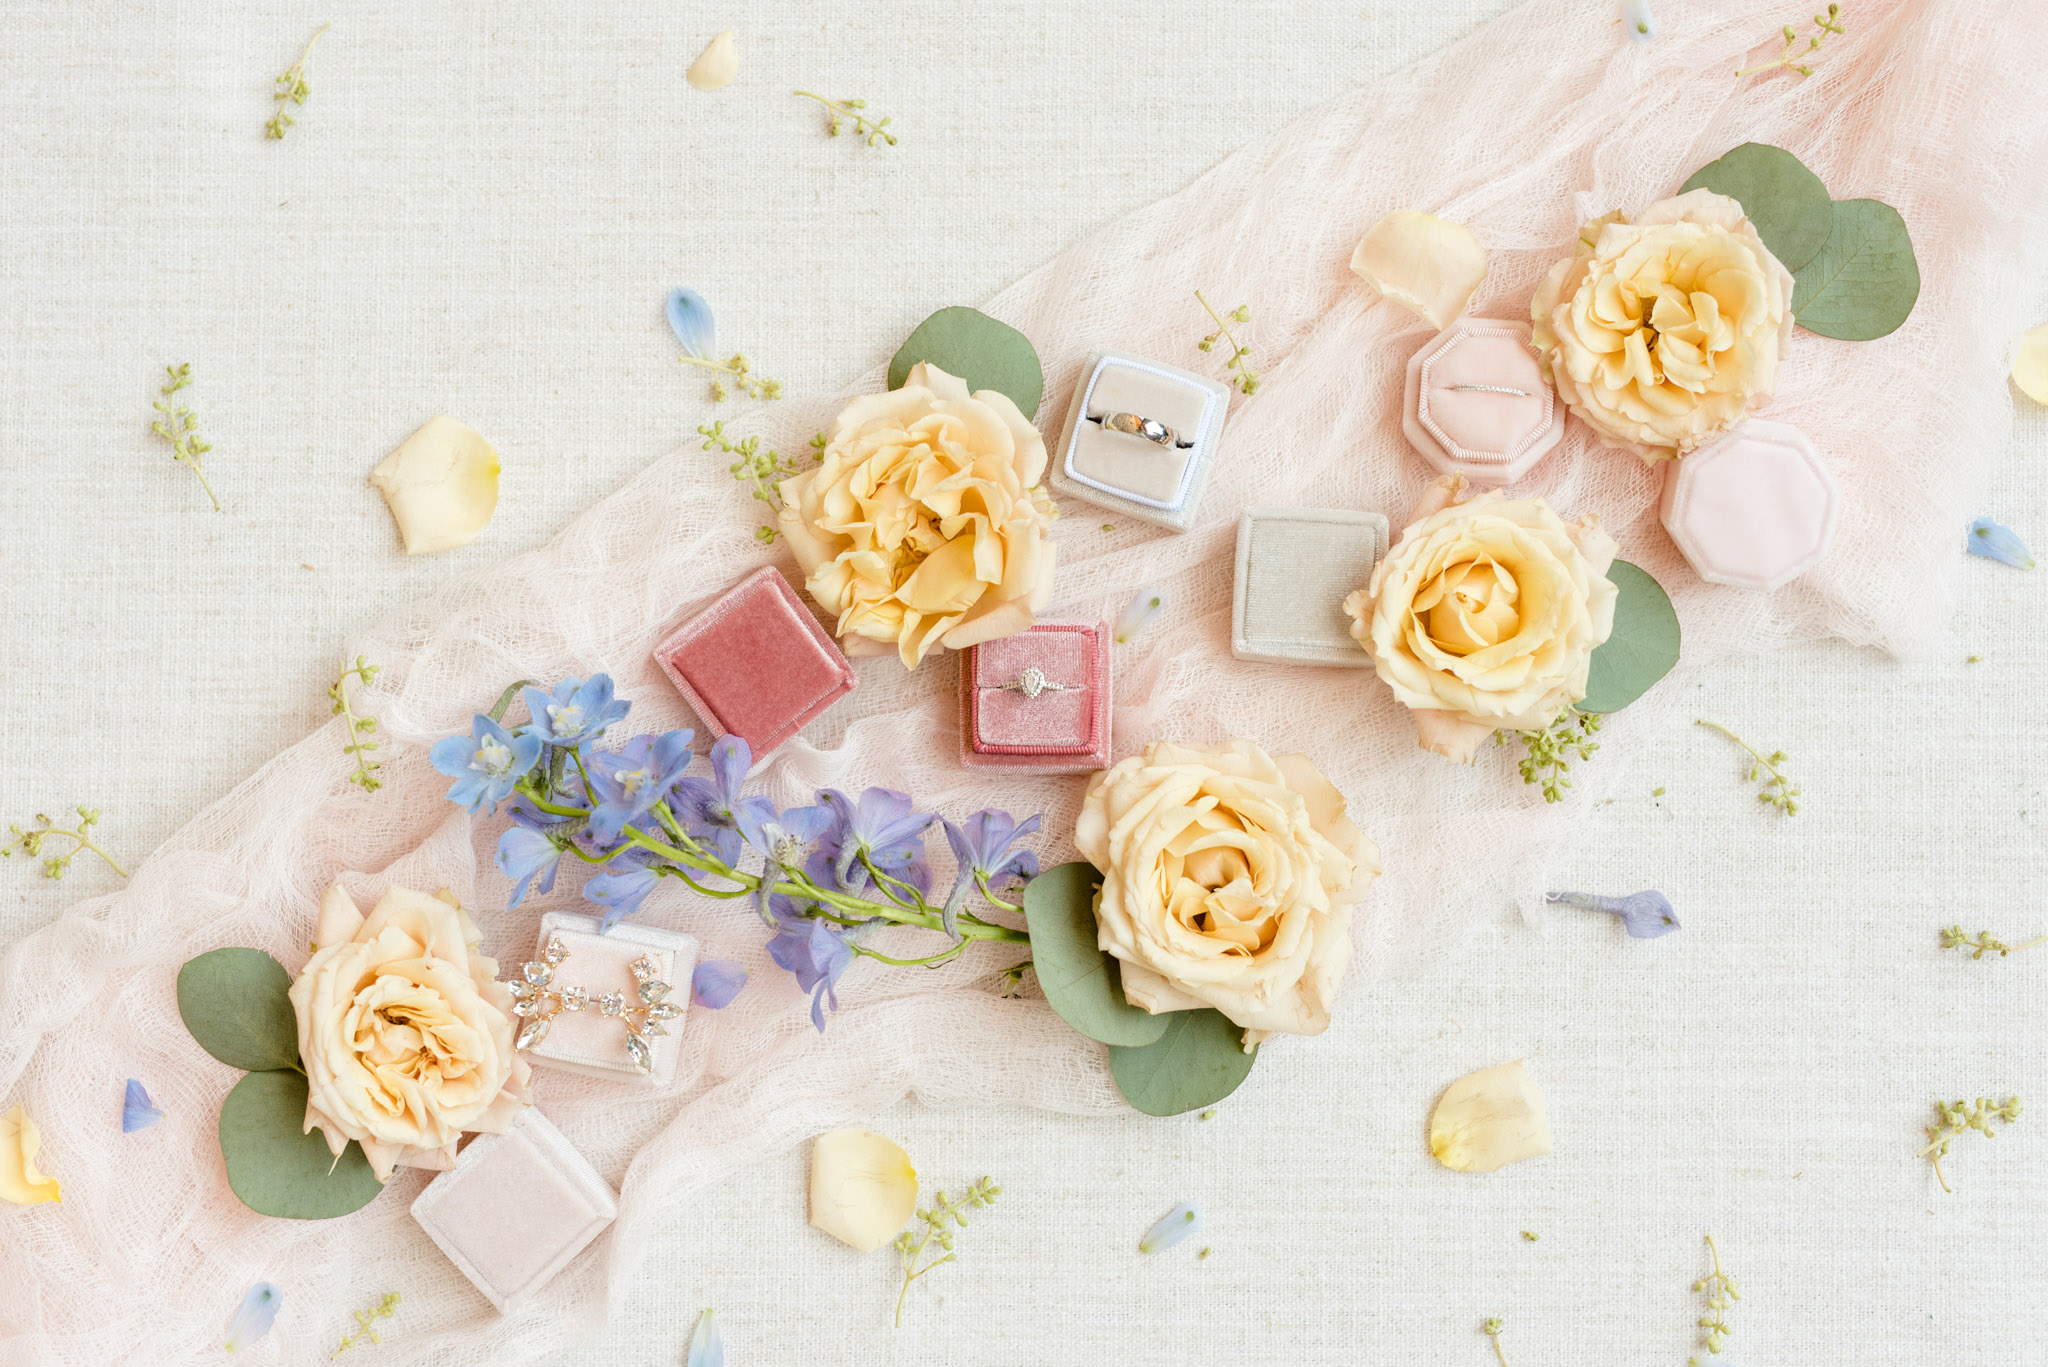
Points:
(19, 1180)
(863, 1188)
(441, 484)
(2030, 365)
(1489, 1119)
(1422, 262)
(716, 65)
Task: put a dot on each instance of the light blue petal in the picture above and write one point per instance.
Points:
(2000, 543)
(689, 313)
(716, 982)
(1183, 1220)
(253, 1320)
(1137, 613)
(1636, 17)
(706, 1348)
(138, 1112)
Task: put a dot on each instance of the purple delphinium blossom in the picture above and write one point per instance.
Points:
(628, 782)
(982, 846)
(621, 887)
(138, 1112)
(1644, 915)
(253, 1320)
(716, 982)
(1995, 541)
(524, 855)
(787, 838)
(485, 764)
(575, 713)
(708, 807)
(880, 826)
(812, 949)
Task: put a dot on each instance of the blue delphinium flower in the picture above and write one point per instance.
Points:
(524, 855)
(812, 949)
(689, 314)
(253, 1320)
(1995, 542)
(1644, 915)
(485, 764)
(983, 848)
(138, 1112)
(622, 886)
(716, 982)
(707, 807)
(576, 713)
(880, 826)
(787, 838)
(628, 782)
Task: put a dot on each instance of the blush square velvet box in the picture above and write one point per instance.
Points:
(515, 1209)
(587, 1042)
(1059, 730)
(1295, 568)
(756, 664)
(1131, 474)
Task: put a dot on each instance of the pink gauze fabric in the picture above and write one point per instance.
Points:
(1535, 124)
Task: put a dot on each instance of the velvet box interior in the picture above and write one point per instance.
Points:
(1131, 474)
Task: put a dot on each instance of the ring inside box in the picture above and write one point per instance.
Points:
(1008, 721)
(1135, 467)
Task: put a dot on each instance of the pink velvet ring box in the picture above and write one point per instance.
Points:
(590, 1042)
(1477, 402)
(1754, 509)
(1014, 717)
(756, 664)
(516, 1209)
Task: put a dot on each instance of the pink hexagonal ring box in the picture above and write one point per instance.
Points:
(1755, 509)
(1478, 403)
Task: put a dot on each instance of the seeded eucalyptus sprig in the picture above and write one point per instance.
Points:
(1721, 1292)
(1777, 790)
(1955, 1119)
(938, 1222)
(1983, 942)
(1551, 749)
(1492, 1329)
(739, 371)
(292, 89)
(1243, 378)
(31, 841)
(359, 728)
(839, 113)
(365, 1332)
(180, 428)
(1823, 25)
(760, 469)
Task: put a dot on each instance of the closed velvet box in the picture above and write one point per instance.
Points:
(1754, 509)
(589, 1042)
(1295, 568)
(756, 664)
(1131, 474)
(515, 1209)
(1039, 700)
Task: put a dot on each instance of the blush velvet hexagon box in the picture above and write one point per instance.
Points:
(1477, 402)
(1755, 509)
(1039, 700)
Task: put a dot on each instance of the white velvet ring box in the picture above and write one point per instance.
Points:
(1295, 568)
(1132, 474)
(590, 1042)
(515, 1209)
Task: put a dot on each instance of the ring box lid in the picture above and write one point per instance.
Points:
(756, 663)
(1754, 509)
(515, 1209)
(1128, 473)
(1493, 437)
(1295, 568)
(595, 1045)
(1070, 721)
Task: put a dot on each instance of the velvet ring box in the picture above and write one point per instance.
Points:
(1295, 568)
(1477, 402)
(1132, 474)
(515, 1209)
(756, 664)
(589, 1042)
(1039, 700)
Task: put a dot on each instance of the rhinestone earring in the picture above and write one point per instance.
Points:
(538, 1000)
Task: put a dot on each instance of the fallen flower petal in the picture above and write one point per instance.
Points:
(707, 1349)
(20, 1182)
(689, 316)
(1172, 1227)
(863, 1188)
(716, 982)
(1636, 17)
(2030, 365)
(1137, 613)
(138, 1112)
(1489, 1119)
(441, 484)
(716, 65)
(1995, 542)
(253, 1320)
(1424, 263)
(1645, 915)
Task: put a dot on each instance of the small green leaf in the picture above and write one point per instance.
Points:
(1865, 281)
(235, 1004)
(983, 352)
(1786, 203)
(1081, 982)
(275, 1167)
(1643, 647)
(1199, 1060)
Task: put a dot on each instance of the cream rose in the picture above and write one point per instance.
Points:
(1485, 614)
(1228, 879)
(1663, 332)
(919, 528)
(405, 1032)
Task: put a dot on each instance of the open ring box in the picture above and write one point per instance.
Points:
(1060, 728)
(1132, 474)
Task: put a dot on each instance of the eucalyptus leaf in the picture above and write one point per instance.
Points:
(1081, 982)
(1196, 1062)
(985, 353)
(1786, 203)
(1865, 281)
(275, 1167)
(235, 1004)
(1642, 648)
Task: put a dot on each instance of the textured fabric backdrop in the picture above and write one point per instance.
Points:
(1677, 1107)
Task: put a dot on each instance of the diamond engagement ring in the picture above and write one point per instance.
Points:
(539, 999)
(1130, 424)
(1033, 682)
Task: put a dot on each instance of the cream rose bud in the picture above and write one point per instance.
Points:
(919, 528)
(1485, 615)
(1228, 879)
(405, 1032)
(1663, 332)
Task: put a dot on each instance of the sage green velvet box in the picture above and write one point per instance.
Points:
(1295, 568)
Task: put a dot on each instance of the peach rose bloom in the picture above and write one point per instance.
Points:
(1665, 332)
(405, 1032)
(921, 527)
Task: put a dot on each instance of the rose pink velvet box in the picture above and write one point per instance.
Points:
(756, 664)
(1030, 724)
(515, 1209)
(1477, 402)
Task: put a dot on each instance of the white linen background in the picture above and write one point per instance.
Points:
(552, 178)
